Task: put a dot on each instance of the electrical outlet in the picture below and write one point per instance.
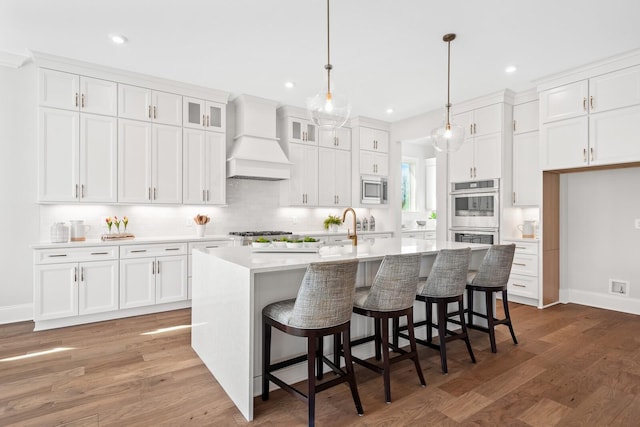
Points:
(638, 223)
(294, 220)
(619, 287)
(188, 222)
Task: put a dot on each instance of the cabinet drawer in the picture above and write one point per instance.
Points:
(210, 245)
(525, 264)
(142, 251)
(57, 256)
(413, 234)
(526, 248)
(525, 286)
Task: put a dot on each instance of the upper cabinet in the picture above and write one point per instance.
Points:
(339, 138)
(139, 103)
(526, 169)
(201, 114)
(374, 139)
(591, 122)
(301, 131)
(58, 89)
(204, 161)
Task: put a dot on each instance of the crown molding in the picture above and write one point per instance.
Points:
(12, 60)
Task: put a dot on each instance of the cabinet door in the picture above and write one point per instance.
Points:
(488, 120)
(615, 90)
(171, 279)
(525, 117)
(526, 170)
(167, 108)
(372, 163)
(98, 96)
(98, 290)
(58, 148)
(487, 156)
(58, 89)
(215, 168)
(374, 140)
(465, 120)
(461, 162)
(614, 136)
(302, 131)
(166, 166)
(134, 102)
(339, 138)
(98, 158)
(564, 144)
(215, 116)
(193, 113)
(327, 179)
(137, 282)
(56, 291)
(564, 102)
(303, 185)
(194, 161)
(342, 173)
(134, 161)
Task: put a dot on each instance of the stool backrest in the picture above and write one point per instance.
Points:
(395, 284)
(448, 276)
(325, 297)
(496, 266)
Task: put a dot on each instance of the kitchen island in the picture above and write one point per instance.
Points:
(232, 285)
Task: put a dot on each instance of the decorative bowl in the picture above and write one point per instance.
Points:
(277, 244)
(311, 244)
(260, 244)
(294, 245)
(421, 223)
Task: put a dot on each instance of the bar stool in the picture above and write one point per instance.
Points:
(492, 277)
(390, 296)
(445, 284)
(323, 307)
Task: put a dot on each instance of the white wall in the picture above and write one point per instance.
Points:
(19, 213)
(599, 239)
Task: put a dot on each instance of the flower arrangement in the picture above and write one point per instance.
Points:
(116, 221)
(331, 219)
(125, 221)
(109, 222)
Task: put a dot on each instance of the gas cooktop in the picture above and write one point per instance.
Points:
(259, 233)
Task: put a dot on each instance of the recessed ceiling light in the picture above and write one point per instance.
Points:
(389, 110)
(118, 38)
(289, 85)
(510, 69)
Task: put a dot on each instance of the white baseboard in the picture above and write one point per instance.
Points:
(16, 313)
(606, 301)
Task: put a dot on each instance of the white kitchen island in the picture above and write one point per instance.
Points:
(232, 285)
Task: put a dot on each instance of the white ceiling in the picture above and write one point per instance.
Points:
(385, 53)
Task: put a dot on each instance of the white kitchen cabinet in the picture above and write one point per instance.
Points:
(194, 246)
(149, 163)
(523, 280)
(339, 138)
(70, 283)
(480, 156)
(301, 131)
(372, 163)
(202, 114)
(140, 103)
(591, 122)
(526, 169)
(374, 139)
(153, 274)
(58, 89)
(334, 176)
(303, 185)
(77, 157)
(204, 155)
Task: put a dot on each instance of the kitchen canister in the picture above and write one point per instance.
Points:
(79, 230)
(59, 232)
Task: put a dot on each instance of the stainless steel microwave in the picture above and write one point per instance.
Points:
(373, 190)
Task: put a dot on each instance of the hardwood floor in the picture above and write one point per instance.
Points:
(574, 366)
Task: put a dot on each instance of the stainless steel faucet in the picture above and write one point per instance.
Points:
(354, 236)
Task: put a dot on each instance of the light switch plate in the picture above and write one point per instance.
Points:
(638, 223)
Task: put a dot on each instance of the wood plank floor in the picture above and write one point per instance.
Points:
(574, 366)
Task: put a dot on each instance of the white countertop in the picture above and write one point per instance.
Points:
(259, 262)
(135, 241)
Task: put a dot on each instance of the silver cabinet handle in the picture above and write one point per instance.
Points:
(203, 196)
(208, 196)
(137, 251)
(471, 172)
(584, 154)
(591, 102)
(158, 267)
(76, 99)
(514, 125)
(149, 195)
(76, 194)
(155, 193)
(82, 274)
(208, 121)
(474, 129)
(155, 116)
(56, 255)
(584, 103)
(82, 101)
(470, 128)
(99, 253)
(520, 264)
(591, 153)
(149, 111)
(514, 197)
(75, 274)
(153, 268)
(519, 285)
(204, 123)
(474, 170)
(82, 191)
(171, 249)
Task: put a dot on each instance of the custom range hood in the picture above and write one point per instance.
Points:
(256, 153)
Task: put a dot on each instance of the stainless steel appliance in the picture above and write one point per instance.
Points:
(373, 190)
(476, 236)
(475, 204)
(249, 236)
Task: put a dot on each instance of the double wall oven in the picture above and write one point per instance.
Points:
(475, 211)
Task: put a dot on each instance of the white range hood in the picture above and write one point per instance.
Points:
(256, 153)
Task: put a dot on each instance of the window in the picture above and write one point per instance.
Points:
(408, 182)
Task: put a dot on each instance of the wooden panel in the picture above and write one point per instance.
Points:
(551, 276)
(550, 211)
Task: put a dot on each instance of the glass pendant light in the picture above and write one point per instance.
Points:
(449, 136)
(329, 110)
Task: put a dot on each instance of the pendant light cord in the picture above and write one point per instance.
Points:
(328, 67)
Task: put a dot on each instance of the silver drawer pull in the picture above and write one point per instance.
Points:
(56, 256)
(211, 247)
(519, 285)
(518, 263)
(172, 249)
(521, 247)
(138, 251)
(99, 253)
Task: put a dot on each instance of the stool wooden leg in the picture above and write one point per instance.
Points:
(428, 313)
(266, 359)
(505, 303)
(464, 332)
(442, 333)
(377, 341)
(386, 364)
(319, 353)
(490, 318)
(346, 334)
(396, 331)
(311, 393)
(336, 350)
(414, 350)
(470, 306)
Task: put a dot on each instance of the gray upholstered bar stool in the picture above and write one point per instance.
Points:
(390, 296)
(445, 284)
(323, 307)
(492, 277)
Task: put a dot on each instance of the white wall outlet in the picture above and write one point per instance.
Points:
(619, 287)
(294, 220)
(637, 222)
(189, 222)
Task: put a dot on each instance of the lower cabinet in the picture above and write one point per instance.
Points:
(67, 283)
(523, 281)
